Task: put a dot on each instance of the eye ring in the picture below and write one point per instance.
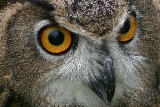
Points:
(55, 39)
(128, 30)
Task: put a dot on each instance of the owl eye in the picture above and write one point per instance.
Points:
(128, 30)
(55, 39)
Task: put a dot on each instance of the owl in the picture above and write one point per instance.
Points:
(79, 53)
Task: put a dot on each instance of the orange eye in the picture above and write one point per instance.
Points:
(55, 39)
(128, 30)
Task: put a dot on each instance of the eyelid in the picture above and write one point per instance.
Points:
(41, 25)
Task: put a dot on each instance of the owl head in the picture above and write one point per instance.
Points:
(89, 53)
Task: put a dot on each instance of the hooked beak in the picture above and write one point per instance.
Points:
(105, 87)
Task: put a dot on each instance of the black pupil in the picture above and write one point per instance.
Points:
(125, 28)
(56, 37)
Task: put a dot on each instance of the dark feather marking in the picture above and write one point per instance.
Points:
(42, 3)
(3, 3)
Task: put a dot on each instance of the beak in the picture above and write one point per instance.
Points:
(105, 87)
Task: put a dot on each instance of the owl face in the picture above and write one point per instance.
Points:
(81, 53)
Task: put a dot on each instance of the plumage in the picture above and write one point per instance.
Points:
(96, 70)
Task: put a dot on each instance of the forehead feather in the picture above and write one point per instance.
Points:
(96, 16)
